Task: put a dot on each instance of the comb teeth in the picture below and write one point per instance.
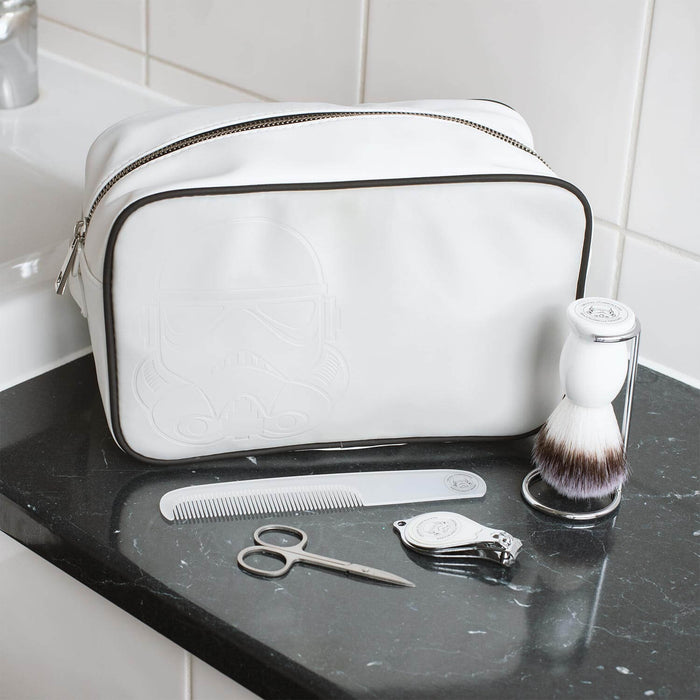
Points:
(250, 504)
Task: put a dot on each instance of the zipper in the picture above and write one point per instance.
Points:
(79, 231)
(82, 224)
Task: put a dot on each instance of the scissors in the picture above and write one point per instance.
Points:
(296, 554)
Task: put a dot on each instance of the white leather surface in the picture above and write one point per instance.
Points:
(249, 321)
(92, 290)
(131, 138)
(257, 320)
(356, 148)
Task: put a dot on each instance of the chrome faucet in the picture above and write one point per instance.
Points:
(18, 69)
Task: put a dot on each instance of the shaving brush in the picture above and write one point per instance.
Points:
(579, 451)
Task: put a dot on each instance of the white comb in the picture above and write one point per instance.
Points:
(235, 500)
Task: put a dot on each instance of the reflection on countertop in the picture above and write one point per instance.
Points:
(591, 611)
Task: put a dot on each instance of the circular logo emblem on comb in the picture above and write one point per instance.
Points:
(461, 483)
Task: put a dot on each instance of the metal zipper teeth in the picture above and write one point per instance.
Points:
(283, 121)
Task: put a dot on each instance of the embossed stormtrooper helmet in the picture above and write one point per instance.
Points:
(263, 303)
(247, 352)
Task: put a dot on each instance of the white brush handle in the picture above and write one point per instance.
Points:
(591, 372)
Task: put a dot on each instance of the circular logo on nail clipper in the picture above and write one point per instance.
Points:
(436, 528)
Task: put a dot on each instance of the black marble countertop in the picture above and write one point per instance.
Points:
(602, 611)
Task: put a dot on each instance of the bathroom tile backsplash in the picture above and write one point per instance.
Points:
(610, 90)
(664, 289)
(302, 50)
(603, 260)
(665, 202)
(579, 104)
(189, 87)
(119, 21)
(85, 48)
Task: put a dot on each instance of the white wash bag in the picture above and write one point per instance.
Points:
(269, 276)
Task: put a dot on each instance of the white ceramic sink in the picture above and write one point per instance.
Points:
(42, 156)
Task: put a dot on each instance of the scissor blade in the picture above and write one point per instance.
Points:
(378, 575)
(305, 557)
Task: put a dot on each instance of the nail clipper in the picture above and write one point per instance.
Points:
(450, 536)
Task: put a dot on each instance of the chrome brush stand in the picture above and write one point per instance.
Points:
(616, 496)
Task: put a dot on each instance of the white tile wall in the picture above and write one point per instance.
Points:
(190, 87)
(577, 94)
(610, 89)
(93, 51)
(664, 290)
(119, 21)
(665, 200)
(302, 50)
(603, 260)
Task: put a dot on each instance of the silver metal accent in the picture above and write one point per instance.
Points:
(535, 475)
(69, 262)
(297, 554)
(616, 496)
(18, 53)
(633, 335)
(452, 537)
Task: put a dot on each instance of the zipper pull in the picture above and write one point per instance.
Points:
(67, 267)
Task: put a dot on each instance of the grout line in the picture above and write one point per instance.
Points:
(606, 222)
(91, 34)
(212, 79)
(637, 115)
(613, 281)
(646, 238)
(662, 245)
(187, 677)
(147, 42)
(104, 74)
(634, 141)
(364, 41)
(148, 57)
(619, 249)
(617, 275)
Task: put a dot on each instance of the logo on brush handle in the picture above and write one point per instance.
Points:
(599, 317)
(601, 310)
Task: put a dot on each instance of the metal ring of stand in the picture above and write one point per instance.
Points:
(534, 475)
(616, 496)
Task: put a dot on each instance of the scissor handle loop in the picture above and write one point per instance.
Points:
(288, 554)
(303, 537)
(275, 552)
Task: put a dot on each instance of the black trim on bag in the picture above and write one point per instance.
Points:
(497, 102)
(307, 186)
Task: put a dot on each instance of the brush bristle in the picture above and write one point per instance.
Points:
(579, 451)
